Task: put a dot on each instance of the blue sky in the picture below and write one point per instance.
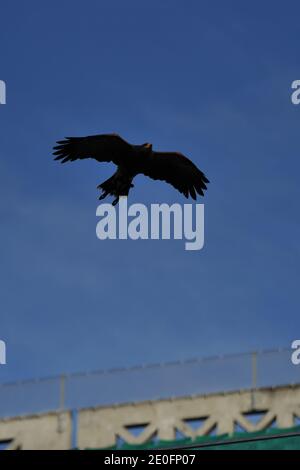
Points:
(211, 79)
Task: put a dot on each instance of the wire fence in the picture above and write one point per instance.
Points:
(151, 382)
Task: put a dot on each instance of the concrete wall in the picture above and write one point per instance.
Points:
(47, 431)
(100, 427)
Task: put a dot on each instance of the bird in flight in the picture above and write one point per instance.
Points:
(132, 160)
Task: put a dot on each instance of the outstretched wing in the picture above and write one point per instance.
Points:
(177, 170)
(102, 147)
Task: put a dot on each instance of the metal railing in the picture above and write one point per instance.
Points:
(151, 382)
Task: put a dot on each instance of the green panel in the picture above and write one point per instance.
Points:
(284, 443)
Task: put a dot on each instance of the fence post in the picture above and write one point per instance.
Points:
(253, 378)
(62, 392)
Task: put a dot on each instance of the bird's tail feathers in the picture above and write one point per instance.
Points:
(117, 185)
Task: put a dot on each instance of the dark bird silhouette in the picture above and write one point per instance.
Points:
(132, 160)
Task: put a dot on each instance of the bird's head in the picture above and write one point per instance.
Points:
(147, 146)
